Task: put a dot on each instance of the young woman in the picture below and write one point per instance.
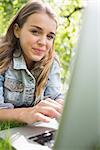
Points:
(29, 71)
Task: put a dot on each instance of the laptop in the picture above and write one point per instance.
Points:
(80, 122)
(79, 126)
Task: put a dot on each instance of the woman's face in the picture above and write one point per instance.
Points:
(36, 36)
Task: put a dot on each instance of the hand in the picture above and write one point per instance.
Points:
(60, 101)
(43, 111)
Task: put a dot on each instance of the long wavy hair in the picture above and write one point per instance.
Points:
(9, 43)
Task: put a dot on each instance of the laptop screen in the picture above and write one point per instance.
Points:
(79, 123)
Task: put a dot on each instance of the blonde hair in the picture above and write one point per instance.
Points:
(9, 42)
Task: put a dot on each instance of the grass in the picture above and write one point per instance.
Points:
(5, 143)
(11, 124)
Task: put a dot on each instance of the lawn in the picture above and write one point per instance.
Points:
(5, 144)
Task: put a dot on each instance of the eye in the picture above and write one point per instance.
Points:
(50, 37)
(35, 32)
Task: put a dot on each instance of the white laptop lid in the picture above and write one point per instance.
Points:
(79, 124)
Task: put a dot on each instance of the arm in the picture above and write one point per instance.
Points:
(41, 112)
(53, 87)
(5, 112)
(2, 104)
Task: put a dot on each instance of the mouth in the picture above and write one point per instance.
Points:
(38, 51)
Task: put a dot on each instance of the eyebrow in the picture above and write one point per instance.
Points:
(42, 29)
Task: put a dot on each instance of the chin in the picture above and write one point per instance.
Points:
(37, 59)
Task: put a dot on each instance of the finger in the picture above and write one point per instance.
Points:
(57, 101)
(49, 103)
(42, 117)
(56, 104)
(60, 101)
(50, 112)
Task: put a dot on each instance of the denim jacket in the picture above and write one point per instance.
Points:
(17, 84)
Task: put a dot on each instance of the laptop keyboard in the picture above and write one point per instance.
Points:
(46, 138)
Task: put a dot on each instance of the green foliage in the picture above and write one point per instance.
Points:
(10, 124)
(68, 31)
(5, 144)
(8, 8)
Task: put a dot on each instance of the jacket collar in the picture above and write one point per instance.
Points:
(18, 60)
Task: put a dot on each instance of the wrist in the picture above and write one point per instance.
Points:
(18, 114)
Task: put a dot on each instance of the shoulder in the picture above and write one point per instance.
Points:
(9, 67)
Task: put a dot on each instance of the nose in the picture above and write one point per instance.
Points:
(42, 41)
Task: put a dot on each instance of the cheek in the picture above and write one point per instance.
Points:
(27, 41)
(32, 41)
(50, 45)
(26, 37)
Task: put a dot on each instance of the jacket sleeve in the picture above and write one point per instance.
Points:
(53, 87)
(2, 104)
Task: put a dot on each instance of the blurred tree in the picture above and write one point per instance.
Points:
(70, 12)
(8, 8)
(69, 19)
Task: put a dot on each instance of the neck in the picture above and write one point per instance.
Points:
(30, 64)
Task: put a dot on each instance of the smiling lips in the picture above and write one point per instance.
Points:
(38, 51)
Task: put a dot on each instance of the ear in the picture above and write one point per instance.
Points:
(16, 30)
